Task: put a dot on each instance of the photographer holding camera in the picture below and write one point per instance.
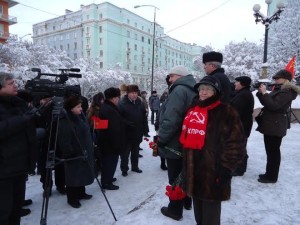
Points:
(274, 120)
(17, 150)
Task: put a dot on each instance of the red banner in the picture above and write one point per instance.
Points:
(291, 66)
(99, 124)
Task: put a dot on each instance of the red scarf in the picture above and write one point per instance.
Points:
(194, 126)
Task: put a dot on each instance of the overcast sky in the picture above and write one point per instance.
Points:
(212, 22)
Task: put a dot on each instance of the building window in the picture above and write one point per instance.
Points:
(75, 55)
(135, 24)
(127, 45)
(135, 57)
(142, 27)
(100, 29)
(101, 65)
(61, 47)
(135, 36)
(87, 30)
(75, 45)
(75, 34)
(128, 21)
(142, 38)
(61, 37)
(53, 27)
(101, 53)
(88, 53)
(149, 42)
(100, 41)
(128, 34)
(135, 47)
(100, 16)
(128, 67)
(68, 46)
(135, 68)
(87, 17)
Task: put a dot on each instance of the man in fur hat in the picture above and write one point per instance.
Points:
(212, 66)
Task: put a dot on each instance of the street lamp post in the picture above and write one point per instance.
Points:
(153, 41)
(21, 38)
(267, 20)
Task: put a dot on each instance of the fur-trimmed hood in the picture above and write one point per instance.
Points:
(289, 85)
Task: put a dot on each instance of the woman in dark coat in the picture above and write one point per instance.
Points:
(243, 102)
(275, 120)
(75, 141)
(110, 140)
(213, 141)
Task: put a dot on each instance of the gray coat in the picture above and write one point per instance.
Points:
(275, 120)
(172, 114)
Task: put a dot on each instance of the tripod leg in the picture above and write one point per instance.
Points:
(112, 212)
(46, 195)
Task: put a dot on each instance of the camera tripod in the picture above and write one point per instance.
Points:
(57, 113)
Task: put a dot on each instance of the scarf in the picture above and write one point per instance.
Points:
(194, 126)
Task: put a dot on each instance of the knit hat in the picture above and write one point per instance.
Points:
(112, 92)
(153, 92)
(132, 88)
(179, 70)
(212, 57)
(209, 80)
(283, 74)
(244, 81)
(72, 101)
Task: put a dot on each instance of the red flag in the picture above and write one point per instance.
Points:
(98, 123)
(291, 66)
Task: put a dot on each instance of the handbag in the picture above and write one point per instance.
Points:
(259, 117)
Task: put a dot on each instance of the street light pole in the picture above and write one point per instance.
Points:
(267, 20)
(153, 41)
(21, 38)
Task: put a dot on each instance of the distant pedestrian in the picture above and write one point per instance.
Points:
(154, 105)
(243, 102)
(164, 97)
(212, 66)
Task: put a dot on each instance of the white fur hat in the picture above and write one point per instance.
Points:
(179, 70)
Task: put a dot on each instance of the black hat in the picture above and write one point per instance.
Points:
(244, 81)
(112, 92)
(283, 74)
(143, 92)
(72, 101)
(210, 80)
(132, 88)
(153, 92)
(212, 57)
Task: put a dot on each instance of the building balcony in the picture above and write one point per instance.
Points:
(9, 19)
(4, 35)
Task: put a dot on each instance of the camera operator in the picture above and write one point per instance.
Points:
(274, 120)
(17, 150)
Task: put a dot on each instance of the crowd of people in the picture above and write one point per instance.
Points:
(201, 137)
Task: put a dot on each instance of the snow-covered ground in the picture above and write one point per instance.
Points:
(140, 197)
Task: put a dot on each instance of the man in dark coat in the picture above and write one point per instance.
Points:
(17, 150)
(110, 140)
(181, 93)
(243, 102)
(133, 111)
(212, 66)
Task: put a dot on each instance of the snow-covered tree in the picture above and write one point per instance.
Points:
(284, 37)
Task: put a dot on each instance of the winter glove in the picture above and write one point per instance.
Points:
(160, 144)
(224, 176)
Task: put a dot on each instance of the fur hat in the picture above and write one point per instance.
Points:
(283, 74)
(209, 80)
(72, 101)
(179, 70)
(244, 81)
(112, 92)
(212, 57)
(132, 88)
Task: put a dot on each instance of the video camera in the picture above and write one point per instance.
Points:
(265, 82)
(46, 88)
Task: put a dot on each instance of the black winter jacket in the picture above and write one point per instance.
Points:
(74, 138)
(225, 84)
(17, 138)
(243, 102)
(112, 139)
